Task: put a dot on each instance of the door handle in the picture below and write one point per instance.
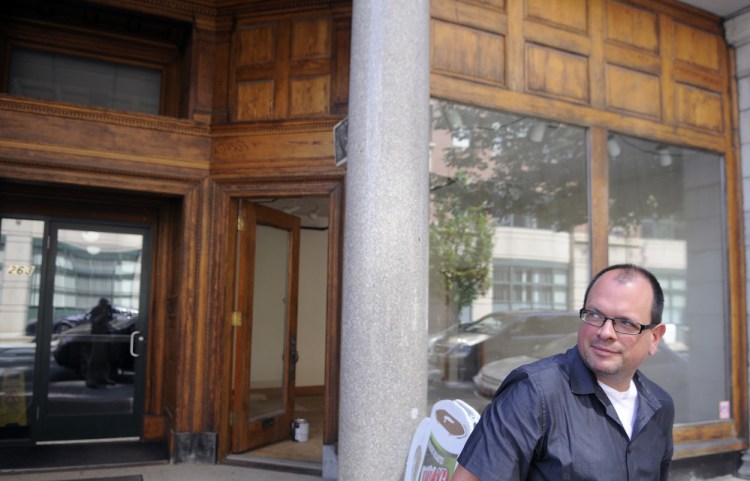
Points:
(132, 343)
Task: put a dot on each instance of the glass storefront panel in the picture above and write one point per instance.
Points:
(95, 313)
(509, 245)
(20, 259)
(666, 213)
(70, 330)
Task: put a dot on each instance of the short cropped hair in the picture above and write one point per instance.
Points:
(657, 307)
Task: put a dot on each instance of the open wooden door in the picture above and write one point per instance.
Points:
(265, 327)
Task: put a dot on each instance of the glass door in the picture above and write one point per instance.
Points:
(83, 315)
(265, 342)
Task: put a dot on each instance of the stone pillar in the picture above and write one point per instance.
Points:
(384, 318)
(738, 36)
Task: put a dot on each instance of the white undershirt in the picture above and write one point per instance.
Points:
(625, 403)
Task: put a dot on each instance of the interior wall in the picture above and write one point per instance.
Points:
(311, 317)
(311, 322)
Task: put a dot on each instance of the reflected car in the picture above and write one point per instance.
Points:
(68, 321)
(666, 367)
(74, 346)
(457, 354)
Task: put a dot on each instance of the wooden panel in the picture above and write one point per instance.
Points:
(554, 72)
(499, 4)
(698, 78)
(699, 108)
(570, 14)
(490, 17)
(561, 39)
(340, 66)
(696, 47)
(632, 26)
(256, 45)
(311, 39)
(309, 96)
(284, 69)
(255, 100)
(639, 59)
(468, 52)
(154, 428)
(633, 91)
(277, 151)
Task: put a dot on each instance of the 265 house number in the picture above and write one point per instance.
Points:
(15, 270)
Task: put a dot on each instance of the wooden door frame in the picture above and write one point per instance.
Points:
(231, 195)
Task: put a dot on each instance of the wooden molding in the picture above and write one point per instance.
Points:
(94, 114)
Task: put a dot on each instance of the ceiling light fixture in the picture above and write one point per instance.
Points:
(664, 155)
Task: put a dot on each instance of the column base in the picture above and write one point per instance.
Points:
(196, 448)
(330, 461)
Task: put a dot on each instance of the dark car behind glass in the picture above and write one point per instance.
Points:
(666, 367)
(68, 321)
(73, 348)
(456, 355)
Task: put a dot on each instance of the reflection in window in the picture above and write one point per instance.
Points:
(529, 287)
(508, 242)
(84, 276)
(667, 214)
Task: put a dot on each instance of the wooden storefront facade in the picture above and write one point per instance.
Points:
(250, 94)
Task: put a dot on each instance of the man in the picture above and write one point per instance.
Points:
(98, 362)
(587, 414)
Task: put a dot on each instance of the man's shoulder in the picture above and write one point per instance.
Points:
(566, 368)
(552, 366)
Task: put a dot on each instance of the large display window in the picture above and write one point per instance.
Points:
(511, 249)
(666, 212)
(509, 245)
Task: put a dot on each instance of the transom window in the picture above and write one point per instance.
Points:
(65, 78)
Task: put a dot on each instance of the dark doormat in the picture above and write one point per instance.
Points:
(115, 478)
(82, 455)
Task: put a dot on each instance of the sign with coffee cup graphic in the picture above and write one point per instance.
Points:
(438, 441)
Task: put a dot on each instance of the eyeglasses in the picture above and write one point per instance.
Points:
(623, 326)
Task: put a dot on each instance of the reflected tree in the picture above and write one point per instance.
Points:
(518, 166)
(460, 248)
(494, 168)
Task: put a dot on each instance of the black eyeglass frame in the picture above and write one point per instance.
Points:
(615, 322)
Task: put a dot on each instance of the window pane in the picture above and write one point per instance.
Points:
(53, 76)
(509, 253)
(667, 214)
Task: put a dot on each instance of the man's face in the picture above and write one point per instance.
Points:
(612, 356)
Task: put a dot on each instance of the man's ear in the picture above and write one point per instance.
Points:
(656, 334)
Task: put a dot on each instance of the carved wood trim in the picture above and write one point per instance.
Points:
(57, 109)
(265, 128)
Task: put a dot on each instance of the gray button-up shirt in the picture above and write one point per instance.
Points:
(550, 420)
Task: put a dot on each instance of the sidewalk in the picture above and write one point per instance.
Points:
(188, 472)
(165, 472)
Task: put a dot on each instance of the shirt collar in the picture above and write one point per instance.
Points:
(583, 381)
